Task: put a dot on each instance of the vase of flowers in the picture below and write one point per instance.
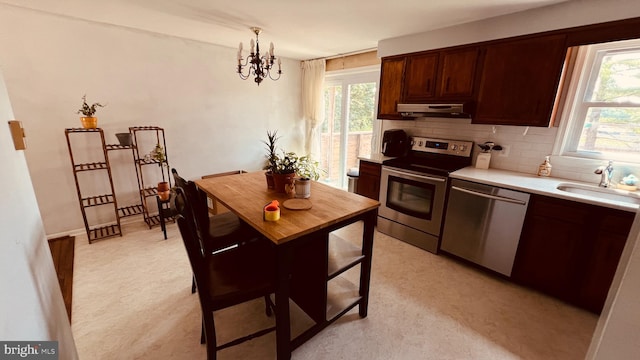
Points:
(89, 121)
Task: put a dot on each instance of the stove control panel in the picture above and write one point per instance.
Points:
(442, 146)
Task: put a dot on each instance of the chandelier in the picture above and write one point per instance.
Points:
(258, 66)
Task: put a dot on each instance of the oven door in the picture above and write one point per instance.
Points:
(412, 199)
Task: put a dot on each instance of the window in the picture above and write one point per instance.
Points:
(604, 120)
(350, 100)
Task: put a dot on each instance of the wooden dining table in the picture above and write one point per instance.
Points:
(312, 256)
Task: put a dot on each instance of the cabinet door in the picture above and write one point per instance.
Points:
(458, 73)
(391, 73)
(545, 260)
(550, 248)
(369, 180)
(519, 81)
(602, 262)
(420, 81)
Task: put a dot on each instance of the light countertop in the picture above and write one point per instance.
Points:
(375, 158)
(538, 185)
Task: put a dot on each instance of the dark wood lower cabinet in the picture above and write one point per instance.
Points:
(369, 180)
(571, 250)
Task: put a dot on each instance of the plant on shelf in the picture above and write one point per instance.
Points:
(89, 121)
(159, 155)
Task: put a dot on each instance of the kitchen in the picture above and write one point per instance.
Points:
(48, 160)
(522, 150)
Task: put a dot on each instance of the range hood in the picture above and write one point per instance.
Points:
(432, 110)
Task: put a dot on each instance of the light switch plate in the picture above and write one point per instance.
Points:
(17, 133)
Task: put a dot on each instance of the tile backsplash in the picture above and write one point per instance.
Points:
(525, 147)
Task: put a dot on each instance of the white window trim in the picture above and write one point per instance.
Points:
(572, 115)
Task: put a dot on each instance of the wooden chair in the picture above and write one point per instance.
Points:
(215, 207)
(227, 278)
(219, 231)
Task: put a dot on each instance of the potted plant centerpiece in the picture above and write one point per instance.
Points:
(89, 121)
(288, 166)
(284, 170)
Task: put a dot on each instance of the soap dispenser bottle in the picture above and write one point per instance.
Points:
(545, 168)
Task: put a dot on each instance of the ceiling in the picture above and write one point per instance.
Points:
(299, 29)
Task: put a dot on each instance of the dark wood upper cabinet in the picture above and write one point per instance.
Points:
(440, 75)
(519, 81)
(420, 81)
(391, 79)
(511, 81)
(458, 73)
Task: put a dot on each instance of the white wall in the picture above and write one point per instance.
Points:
(31, 304)
(559, 16)
(214, 121)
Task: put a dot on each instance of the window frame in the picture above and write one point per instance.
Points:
(576, 108)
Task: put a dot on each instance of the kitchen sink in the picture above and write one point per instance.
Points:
(601, 193)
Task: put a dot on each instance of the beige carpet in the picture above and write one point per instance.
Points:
(132, 300)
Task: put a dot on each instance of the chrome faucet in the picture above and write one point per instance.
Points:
(606, 172)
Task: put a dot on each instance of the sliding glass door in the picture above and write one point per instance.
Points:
(350, 122)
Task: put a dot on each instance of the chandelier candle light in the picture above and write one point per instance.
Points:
(259, 66)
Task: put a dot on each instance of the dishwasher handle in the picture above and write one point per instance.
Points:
(489, 196)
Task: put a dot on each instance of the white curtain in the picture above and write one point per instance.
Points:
(312, 104)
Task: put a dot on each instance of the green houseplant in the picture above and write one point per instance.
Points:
(158, 154)
(272, 139)
(284, 170)
(289, 165)
(89, 121)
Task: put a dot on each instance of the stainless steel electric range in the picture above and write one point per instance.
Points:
(413, 189)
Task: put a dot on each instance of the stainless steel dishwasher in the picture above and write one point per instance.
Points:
(483, 224)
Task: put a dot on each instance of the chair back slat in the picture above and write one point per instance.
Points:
(188, 230)
(195, 249)
(197, 201)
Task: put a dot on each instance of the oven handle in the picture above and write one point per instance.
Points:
(488, 196)
(415, 175)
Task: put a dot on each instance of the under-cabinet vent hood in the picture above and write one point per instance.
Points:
(432, 110)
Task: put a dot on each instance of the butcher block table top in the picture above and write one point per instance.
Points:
(247, 194)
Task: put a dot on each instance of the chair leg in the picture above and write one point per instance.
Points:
(202, 337)
(210, 336)
(193, 284)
